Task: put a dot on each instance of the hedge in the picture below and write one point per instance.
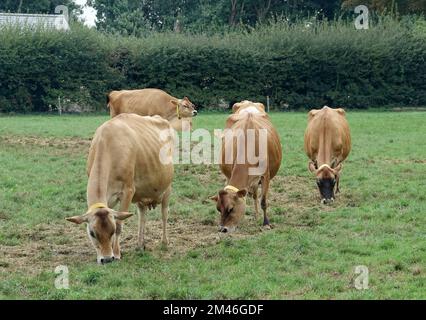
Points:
(299, 66)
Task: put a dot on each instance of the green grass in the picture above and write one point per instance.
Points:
(379, 220)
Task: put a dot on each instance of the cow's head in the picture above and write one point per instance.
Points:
(231, 206)
(327, 179)
(101, 227)
(184, 108)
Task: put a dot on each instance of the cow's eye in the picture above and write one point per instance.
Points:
(92, 234)
(318, 183)
(230, 210)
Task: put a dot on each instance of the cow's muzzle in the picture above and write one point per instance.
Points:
(194, 113)
(224, 229)
(327, 201)
(106, 260)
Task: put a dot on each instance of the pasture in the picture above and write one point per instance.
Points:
(378, 220)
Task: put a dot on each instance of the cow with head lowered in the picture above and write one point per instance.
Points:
(130, 160)
(150, 102)
(247, 128)
(327, 144)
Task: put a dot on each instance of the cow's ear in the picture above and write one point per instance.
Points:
(122, 215)
(261, 106)
(311, 167)
(336, 170)
(214, 198)
(242, 193)
(78, 219)
(185, 98)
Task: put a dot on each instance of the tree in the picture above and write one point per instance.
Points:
(401, 6)
(38, 6)
(134, 17)
(120, 16)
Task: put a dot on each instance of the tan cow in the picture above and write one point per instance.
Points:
(129, 161)
(327, 144)
(149, 102)
(245, 176)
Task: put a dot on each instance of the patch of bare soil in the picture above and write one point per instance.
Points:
(293, 203)
(297, 199)
(63, 143)
(48, 246)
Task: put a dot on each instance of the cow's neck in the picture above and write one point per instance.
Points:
(172, 113)
(239, 176)
(98, 182)
(171, 116)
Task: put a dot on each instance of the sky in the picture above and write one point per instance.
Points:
(89, 13)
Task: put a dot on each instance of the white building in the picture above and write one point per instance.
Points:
(54, 21)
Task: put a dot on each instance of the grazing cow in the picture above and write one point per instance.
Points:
(248, 119)
(150, 102)
(327, 144)
(129, 161)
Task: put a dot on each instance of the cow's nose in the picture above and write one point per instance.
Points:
(327, 201)
(224, 229)
(194, 113)
(107, 260)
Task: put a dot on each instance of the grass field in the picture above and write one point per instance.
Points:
(379, 220)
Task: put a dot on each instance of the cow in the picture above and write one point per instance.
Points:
(241, 178)
(129, 161)
(149, 102)
(327, 144)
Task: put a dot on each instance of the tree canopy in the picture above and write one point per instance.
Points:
(135, 17)
(129, 16)
(401, 6)
(37, 6)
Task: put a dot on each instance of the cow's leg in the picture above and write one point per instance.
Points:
(112, 111)
(164, 213)
(256, 203)
(337, 185)
(125, 202)
(263, 202)
(141, 233)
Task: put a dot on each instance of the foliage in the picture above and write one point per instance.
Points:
(299, 65)
(38, 6)
(396, 6)
(117, 16)
(138, 17)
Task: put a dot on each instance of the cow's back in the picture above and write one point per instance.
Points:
(131, 146)
(255, 122)
(327, 128)
(144, 102)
